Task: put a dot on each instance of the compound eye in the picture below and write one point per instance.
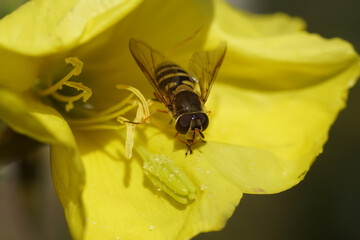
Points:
(204, 120)
(183, 123)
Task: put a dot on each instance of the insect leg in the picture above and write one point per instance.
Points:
(142, 121)
(202, 137)
(158, 98)
(189, 144)
(188, 150)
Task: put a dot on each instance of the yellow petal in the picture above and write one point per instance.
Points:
(287, 62)
(247, 25)
(68, 178)
(48, 26)
(251, 169)
(122, 203)
(278, 92)
(108, 58)
(281, 94)
(18, 72)
(27, 115)
(273, 24)
(265, 145)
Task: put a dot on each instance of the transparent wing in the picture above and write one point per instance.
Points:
(149, 60)
(204, 67)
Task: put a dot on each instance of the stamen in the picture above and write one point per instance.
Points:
(112, 118)
(117, 106)
(77, 64)
(101, 118)
(116, 114)
(85, 94)
(130, 130)
(143, 113)
(100, 127)
(144, 103)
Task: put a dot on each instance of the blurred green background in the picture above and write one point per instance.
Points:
(326, 205)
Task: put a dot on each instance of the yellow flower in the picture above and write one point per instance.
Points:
(276, 96)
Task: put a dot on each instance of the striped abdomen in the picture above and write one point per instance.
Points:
(177, 84)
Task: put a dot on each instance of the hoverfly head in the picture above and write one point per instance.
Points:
(192, 122)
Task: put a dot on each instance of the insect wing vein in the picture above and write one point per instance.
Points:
(149, 60)
(204, 67)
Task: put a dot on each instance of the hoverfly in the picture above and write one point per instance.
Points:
(184, 94)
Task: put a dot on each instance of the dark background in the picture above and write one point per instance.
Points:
(325, 205)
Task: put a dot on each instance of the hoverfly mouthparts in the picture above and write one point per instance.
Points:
(176, 88)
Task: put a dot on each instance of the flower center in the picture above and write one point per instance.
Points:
(160, 169)
(112, 118)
